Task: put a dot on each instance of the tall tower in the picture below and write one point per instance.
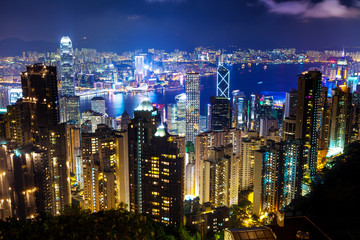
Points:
(223, 82)
(140, 132)
(67, 67)
(192, 106)
(220, 113)
(40, 102)
(309, 88)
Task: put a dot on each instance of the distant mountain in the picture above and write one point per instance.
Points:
(16, 46)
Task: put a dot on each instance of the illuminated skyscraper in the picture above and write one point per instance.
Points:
(181, 114)
(309, 88)
(162, 173)
(277, 176)
(342, 69)
(223, 82)
(67, 67)
(105, 162)
(239, 109)
(40, 103)
(248, 147)
(140, 132)
(340, 127)
(220, 117)
(70, 109)
(192, 106)
(290, 104)
(98, 105)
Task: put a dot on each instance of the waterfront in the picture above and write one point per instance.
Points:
(275, 80)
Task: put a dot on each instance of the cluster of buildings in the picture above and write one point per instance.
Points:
(50, 156)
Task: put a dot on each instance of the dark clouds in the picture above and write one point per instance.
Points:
(128, 24)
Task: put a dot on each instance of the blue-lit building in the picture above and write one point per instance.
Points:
(277, 177)
(67, 67)
(223, 82)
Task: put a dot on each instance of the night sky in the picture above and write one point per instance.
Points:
(128, 24)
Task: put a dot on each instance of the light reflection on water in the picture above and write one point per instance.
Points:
(276, 79)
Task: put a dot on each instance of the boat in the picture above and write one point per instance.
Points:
(260, 82)
(243, 66)
(249, 64)
(265, 67)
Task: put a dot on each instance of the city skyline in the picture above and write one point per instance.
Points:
(207, 140)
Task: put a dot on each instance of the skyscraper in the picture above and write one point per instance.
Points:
(220, 113)
(70, 109)
(239, 109)
(309, 88)
(223, 82)
(340, 126)
(290, 104)
(67, 67)
(192, 106)
(40, 102)
(140, 132)
(105, 162)
(98, 105)
(162, 173)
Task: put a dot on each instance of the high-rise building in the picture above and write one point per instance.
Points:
(220, 178)
(223, 82)
(162, 172)
(124, 121)
(93, 119)
(70, 109)
(41, 128)
(181, 106)
(249, 145)
(40, 102)
(67, 67)
(208, 140)
(98, 105)
(220, 117)
(239, 109)
(309, 88)
(277, 176)
(290, 104)
(105, 168)
(192, 106)
(140, 132)
(341, 117)
(172, 119)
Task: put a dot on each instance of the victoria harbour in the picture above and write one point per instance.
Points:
(275, 80)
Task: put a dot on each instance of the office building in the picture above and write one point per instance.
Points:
(98, 105)
(92, 119)
(67, 67)
(223, 82)
(220, 117)
(290, 104)
(70, 109)
(239, 109)
(181, 108)
(192, 89)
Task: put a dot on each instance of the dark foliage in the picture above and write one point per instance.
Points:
(334, 203)
(75, 223)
